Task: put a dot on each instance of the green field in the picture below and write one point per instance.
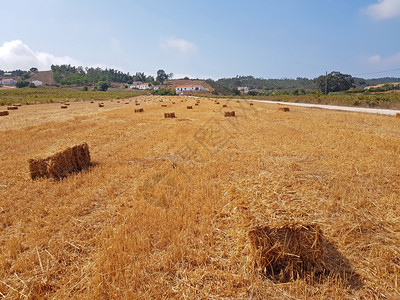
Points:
(33, 96)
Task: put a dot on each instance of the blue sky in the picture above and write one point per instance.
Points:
(205, 39)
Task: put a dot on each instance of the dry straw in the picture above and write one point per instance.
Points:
(61, 164)
(288, 251)
(229, 114)
(169, 115)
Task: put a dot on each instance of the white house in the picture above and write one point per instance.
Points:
(189, 88)
(135, 84)
(140, 85)
(8, 81)
(243, 88)
(37, 83)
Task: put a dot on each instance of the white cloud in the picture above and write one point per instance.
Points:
(384, 9)
(181, 45)
(17, 55)
(390, 61)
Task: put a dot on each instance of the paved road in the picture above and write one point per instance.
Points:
(335, 107)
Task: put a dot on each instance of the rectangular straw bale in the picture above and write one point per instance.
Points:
(189, 107)
(61, 164)
(398, 115)
(284, 109)
(64, 106)
(17, 104)
(229, 114)
(4, 113)
(12, 107)
(101, 104)
(169, 115)
(224, 105)
(139, 110)
(287, 251)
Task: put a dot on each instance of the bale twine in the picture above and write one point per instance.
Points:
(288, 251)
(284, 109)
(4, 113)
(61, 164)
(169, 115)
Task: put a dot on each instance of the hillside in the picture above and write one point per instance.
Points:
(180, 82)
(44, 76)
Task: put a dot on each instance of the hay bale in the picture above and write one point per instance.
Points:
(17, 104)
(251, 104)
(224, 105)
(64, 106)
(163, 105)
(101, 104)
(287, 251)
(189, 107)
(139, 110)
(284, 109)
(397, 115)
(169, 115)
(196, 104)
(4, 113)
(91, 101)
(61, 164)
(229, 114)
(12, 107)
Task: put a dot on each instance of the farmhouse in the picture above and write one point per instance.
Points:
(243, 88)
(37, 83)
(189, 88)
(8, 81)
(140, 85)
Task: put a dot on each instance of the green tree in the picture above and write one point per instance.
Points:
(161, 76)
(334, 82)
(22, 84)
(102, 86)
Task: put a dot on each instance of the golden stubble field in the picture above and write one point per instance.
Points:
(166, 208)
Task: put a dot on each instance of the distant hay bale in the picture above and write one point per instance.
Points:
(91, 101)
(118, 101)
(287, 251)
(398, 115)
(12, 107)
(251, 104)
(284, 109)
(173, 102)
(229, 114)
(126, 102)
(189, 107)
(216, 102)
(139, 110)
(101, 104)
(61, 164)
(17, 104)
(137, 103)
(4, 113)
(196, 104)
(224, 105)
(163, 105)
(64, 106)
(169, 115)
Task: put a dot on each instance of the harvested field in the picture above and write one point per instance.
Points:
(265, 205)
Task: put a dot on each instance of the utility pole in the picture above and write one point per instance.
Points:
(326, 83)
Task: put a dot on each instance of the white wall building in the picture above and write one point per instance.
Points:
(8, 81)
(37, 83)
(189, 88)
